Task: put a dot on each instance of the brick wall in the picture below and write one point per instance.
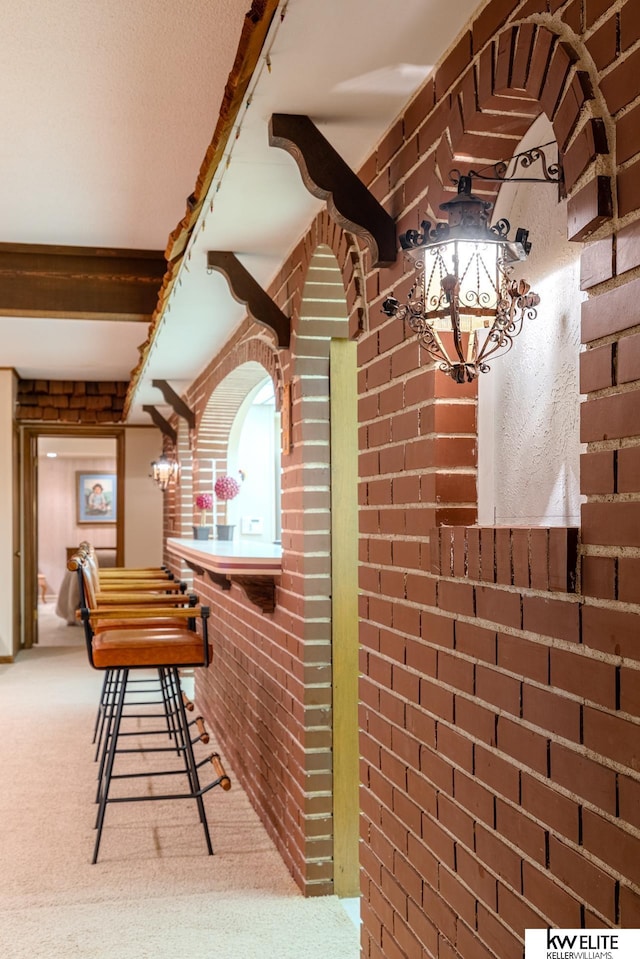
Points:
(500, 668)
(268, 696)
(178, 497)
(499, 724)
(69, 401)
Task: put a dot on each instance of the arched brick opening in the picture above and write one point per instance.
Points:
(348, 254)
(253, 349)
(525, 71)
(216, 420)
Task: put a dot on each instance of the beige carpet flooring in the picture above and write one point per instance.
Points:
(154, 891)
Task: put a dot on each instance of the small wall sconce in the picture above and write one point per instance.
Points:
(165, 471)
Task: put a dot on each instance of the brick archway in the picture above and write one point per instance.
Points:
(526, 70)
(484, 108)
(344, 246)
(251, 350)
(217, 417)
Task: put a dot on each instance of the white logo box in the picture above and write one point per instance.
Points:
(582, 944)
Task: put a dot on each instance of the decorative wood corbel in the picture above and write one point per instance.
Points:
(162, 424)
(326, 175)
(246, 290)
(176, 402)
(223, 581)
(260, 590)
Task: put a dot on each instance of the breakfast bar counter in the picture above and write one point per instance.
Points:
(252, 565)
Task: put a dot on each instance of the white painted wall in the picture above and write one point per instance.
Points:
(57, 527)
(7, 506)
(57, 509)
(142, 499)
(529, 403)
(252, 449)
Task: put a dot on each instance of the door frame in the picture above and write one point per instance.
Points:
(29, 508)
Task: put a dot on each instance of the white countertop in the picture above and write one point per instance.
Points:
(244, 557)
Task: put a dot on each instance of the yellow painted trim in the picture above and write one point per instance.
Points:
(344, 574)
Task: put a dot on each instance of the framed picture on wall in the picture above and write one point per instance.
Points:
(96, 498)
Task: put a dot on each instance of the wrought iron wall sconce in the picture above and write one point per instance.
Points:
(165, 471)
(463, 271)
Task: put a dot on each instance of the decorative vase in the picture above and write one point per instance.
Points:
(201, 532)
(224, 531)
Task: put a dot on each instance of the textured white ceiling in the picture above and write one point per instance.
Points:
(106, 111)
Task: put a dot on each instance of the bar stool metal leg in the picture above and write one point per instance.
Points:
(111, 750)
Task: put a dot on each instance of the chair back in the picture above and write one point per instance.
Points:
(78, 563)
(82, 562)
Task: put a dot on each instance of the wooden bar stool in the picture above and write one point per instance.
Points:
(134, 590)
(125, 640)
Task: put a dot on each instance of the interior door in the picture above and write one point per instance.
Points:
(30, 509)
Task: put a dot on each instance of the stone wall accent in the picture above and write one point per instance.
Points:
(70, 401)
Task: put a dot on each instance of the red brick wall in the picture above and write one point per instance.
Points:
(499, 713)
(268, 692)
(500, 667)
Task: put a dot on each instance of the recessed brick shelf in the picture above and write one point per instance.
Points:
(543, 558)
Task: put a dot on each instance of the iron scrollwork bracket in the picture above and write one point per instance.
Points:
(506, 171)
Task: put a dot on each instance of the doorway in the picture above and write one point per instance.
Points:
(73, 490)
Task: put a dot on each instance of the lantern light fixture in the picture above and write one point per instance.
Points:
(463, 285)
(165, 471)
(464, 305)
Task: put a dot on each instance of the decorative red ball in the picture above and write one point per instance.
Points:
(226, 487)
(204, 501)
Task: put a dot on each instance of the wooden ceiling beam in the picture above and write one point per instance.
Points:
(79, 282)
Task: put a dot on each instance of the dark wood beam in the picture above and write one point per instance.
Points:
(176, 402)
(79, 282)
(165, 427)
(256, 26)
(246, 290)
(326, 175)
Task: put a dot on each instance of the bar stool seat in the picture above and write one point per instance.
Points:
(119, 648)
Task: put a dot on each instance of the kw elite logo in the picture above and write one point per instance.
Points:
(582, 944)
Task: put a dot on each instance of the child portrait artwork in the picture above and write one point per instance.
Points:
(96, 497)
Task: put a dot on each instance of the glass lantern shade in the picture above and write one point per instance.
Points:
(475, 267)
(463, 285)
(164, 471)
